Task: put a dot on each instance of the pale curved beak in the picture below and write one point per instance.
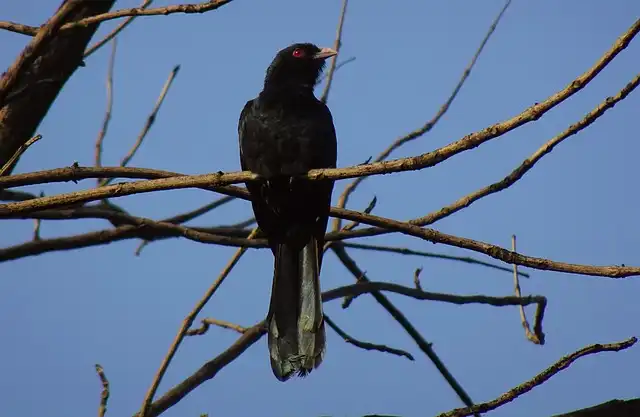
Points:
(325, 53)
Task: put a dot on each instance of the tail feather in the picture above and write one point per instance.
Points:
(296, 324)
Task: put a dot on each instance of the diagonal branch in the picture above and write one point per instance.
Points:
(336, 46)
(186, 324)
(529, 163)
(149, 122)
(104, 395)
(407, 251)
(42, 39)
(115, 32)
(22, 149)
(351, 187)
(206, 371)
(541, 378)
(107, 113)
(425, 346)
(366, 345)
(531, 336)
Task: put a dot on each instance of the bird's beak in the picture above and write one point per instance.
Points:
(325, 53)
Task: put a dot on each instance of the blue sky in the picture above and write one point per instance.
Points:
(61, 313)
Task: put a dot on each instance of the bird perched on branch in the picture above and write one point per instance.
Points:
(285, 132)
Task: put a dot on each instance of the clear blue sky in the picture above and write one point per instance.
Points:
(62, 312)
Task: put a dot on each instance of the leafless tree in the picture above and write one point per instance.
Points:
(31, 84)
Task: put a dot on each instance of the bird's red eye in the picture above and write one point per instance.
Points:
(298, 53)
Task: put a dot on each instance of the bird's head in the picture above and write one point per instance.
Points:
(298, 65)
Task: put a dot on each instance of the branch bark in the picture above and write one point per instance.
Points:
(44, 74)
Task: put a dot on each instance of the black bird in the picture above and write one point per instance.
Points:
(285, 132)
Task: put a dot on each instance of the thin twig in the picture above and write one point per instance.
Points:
(18, 153)
(203, 7)
(351, 187)
(107, 113)
(416, 278)
(104, 395)
(523, 315)
(338, 66)
(336, 46)
(208, 322)
(37, 224)
(186, 324)
(366, 345)
(44, 35)
(541, 378)
(150, 120)
(115, 32)
(424, 346)
(407, 251)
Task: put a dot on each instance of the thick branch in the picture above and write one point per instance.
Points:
(43, 76)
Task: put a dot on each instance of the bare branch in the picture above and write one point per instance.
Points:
(186, 324)
(104, 396)
(366, 345)
(206, 371)
(218, 179)
(6, 195)
(338, 66)
(150, 120)
(41, 81)
(493, 251)
(137, 11)
(115, 32)
(529, 163)
(416, 278)
(351, 187)
(430, 235)
(399, 165)
(534, 338)
(208, 322)
(136, 227)
(407, 251)
(336, 46)
(22, 149)
(11, 78)
(107, 113)
(541, 378)
(424, 346)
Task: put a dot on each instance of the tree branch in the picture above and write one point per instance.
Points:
(136, 11)
(34, 87)
(541, 378)
(186, 324)
(407, 251)
(221, 179)
(366, 345)
(336, 46)
(351, 187)
(424, 346)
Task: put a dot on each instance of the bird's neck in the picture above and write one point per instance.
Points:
(289, 90)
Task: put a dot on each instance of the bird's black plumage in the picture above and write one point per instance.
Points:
(284, 132)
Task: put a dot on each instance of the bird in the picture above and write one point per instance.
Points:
(283, 133)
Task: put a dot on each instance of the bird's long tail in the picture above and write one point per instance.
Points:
(295, 323)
